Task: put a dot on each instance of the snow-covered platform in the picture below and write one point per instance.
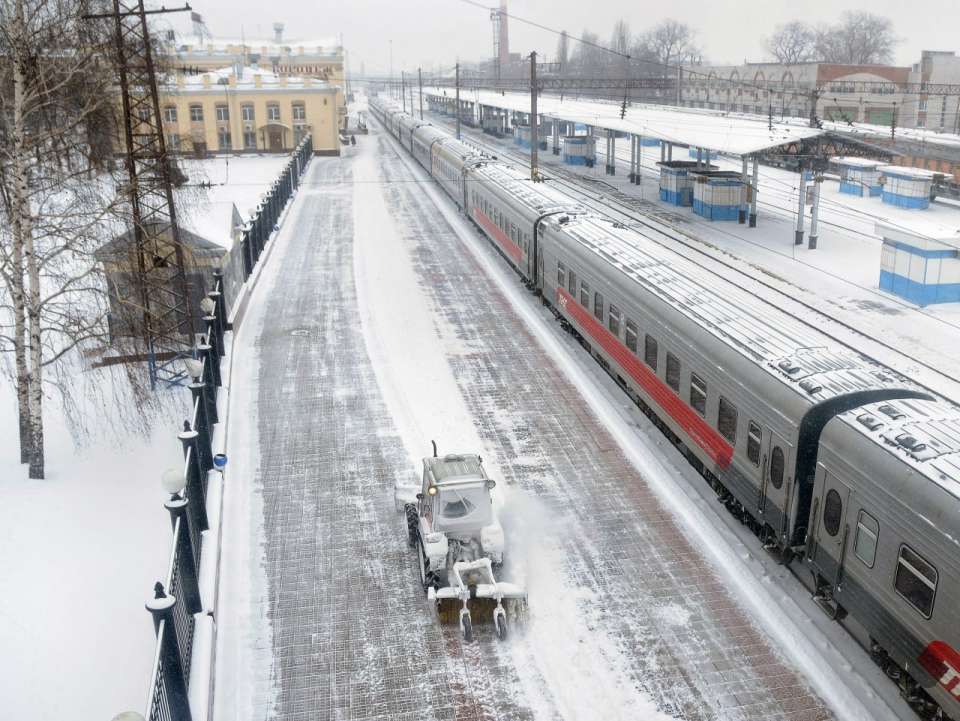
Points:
(382, 321)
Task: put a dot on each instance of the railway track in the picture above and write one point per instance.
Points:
(621, 207)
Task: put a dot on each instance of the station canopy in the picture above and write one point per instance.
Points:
(711, 130)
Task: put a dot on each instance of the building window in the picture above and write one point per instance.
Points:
(698, 394)
(916, 580)
(921, 122)
(196, 113)
(561, 275)
(584, 295)
(170, 113)
(614, 320)
(598, 306)
(223, 113)
(865, 544)
(144, 114)
(299, 111)
(727, 420)
(922, 106)
(650, 351)
(173, 142)
(249, 140)
(673, 372)
(246, 112)
(631, 336)
(754, 437)
(223, 138)
(273, 112)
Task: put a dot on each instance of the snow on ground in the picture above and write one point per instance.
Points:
(80, 552)
(578, 665)
(234, 180)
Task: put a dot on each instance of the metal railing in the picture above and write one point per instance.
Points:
(177, 599)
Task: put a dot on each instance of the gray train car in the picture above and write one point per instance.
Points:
(884, 548)
(743, 386)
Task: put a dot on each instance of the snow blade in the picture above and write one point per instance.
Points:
(476, 594)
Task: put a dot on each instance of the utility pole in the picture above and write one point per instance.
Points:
(403, 92)
(534, 141)
(420, 83)
(893, 123)
(679, 85)
(458, 99)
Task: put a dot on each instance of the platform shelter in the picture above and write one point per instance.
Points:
(676, 183)
(716, 193)
(907, 187)
(920, 267)
(859, 176)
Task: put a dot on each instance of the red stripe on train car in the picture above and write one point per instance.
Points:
(712, 443)
(509, 247)
(943, 663)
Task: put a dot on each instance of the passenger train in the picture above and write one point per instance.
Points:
(847, 471)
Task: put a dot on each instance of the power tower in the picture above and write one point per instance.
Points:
(159, 291)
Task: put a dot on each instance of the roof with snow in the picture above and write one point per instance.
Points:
(726, 133)
(248, 77)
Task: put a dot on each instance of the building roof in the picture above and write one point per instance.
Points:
(249, 77)
(902, 171)
(864, 163)
(120, 246)
(728, 133)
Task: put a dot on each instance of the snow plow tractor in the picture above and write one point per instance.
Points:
(459, 545)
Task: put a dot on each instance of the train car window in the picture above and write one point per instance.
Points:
(916, 580)
(630, 334)
(572, 288)
(754, 436)
(727, 420)
(865, 544)
(584, 295)
(776, 467)
(698, 394)
(650, 351)
(598, 306)
(561, 275)
(673, 372)
(832, 512)
(613, 322)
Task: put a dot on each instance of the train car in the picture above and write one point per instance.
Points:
(745, 388)
(423, 140)
(884, 547)
(408, 125)
(509, 208)
(450, 164)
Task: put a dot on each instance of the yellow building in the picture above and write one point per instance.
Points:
(316, 59)
(240, 109)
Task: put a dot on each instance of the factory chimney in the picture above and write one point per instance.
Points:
(504, 44)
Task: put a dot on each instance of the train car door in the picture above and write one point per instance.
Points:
(774, 488)
(831, 531)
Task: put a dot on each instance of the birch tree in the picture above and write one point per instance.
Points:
(57, 108)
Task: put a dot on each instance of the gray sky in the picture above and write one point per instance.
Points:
(435, 32)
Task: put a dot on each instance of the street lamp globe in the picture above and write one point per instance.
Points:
(173, 481)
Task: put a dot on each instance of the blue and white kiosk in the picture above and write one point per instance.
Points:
(920, 266)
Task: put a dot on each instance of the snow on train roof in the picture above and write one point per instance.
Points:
(739, 135)
(806, 360)
(923, 433)
(540, 197)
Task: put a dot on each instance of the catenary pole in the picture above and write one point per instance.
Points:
(420, 83)
(534, 141)
(458, 100)
(403, 92)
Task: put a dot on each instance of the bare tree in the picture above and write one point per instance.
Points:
(671, 43)
(861, 38)
(563, 50)
(620, 41)
(57, 107)
(794, 42)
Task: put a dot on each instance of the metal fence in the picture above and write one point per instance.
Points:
(177, 599)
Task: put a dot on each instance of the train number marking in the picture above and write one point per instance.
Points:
(943, 663)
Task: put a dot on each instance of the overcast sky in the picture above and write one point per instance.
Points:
(435, 32)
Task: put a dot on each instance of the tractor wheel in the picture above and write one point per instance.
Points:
(413, 524)
(501, 623)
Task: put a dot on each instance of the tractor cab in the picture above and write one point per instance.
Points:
(455, 494)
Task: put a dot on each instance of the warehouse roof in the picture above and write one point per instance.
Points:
(716, 131)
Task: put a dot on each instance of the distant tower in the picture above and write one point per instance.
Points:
(278, 32)
(501, 40)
